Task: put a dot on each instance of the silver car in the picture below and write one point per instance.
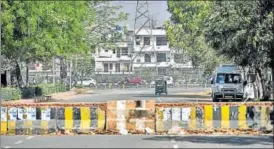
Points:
(227, 83)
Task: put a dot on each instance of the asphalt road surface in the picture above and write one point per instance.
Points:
(174, 95)
(137, 141)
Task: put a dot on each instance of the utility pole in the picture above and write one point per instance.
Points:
(142, 22)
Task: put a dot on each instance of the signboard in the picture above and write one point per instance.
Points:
(186, 114)
(45, 114)
(31, 114)
(176, 114)
(3, 114)
(21, 113)
(12, 114)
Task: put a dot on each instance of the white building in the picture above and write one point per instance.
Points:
(155, 54)
(114, 61)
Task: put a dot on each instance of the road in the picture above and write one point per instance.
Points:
(136, 141)
(174, 95)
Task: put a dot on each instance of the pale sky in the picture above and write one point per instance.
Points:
(157, 9)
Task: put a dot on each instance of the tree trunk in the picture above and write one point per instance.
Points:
(18, 75)
(63, 68)
(27, 75)
(81, 77)
(261, 84)
(272, 82)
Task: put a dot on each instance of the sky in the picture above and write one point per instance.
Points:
(157, 10)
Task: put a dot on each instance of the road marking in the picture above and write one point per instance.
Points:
(6, 147)
(173, 141)
(29, 137)
(175, 146)
(18, 142)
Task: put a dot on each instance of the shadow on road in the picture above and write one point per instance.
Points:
(228, 140)
(173, 96)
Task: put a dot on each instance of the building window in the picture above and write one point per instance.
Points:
(124, 51)
(110, 67)
(118, 53)
(138, 60)
(126, 67)
(137, 40)
(147, 58)
(117, 67)
(105, 67)
(162, 71)
(161, 41)
(146, 40)
(113, 51)
(161, 57)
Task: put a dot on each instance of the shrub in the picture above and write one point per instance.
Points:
(10, 93)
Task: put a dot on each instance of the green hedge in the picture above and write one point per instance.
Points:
(47, 89)
(9, 93)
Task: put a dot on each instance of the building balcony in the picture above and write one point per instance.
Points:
(113, 58)
(150, 49)
(178, 65)
(105, 55)
(113, 72)
(152, 64)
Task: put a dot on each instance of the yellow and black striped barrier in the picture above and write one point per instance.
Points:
(212, 116)
(132, 116)
(45, 119)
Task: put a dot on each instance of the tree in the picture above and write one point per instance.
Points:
(36, 31)
(185, 31)
(101, 30)
(243, 31)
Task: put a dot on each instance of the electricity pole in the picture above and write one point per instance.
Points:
(142, 22)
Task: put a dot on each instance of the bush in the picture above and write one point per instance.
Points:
(43, 89)
(9, 93)
(81, 90)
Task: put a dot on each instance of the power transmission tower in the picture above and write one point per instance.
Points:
(142, 22)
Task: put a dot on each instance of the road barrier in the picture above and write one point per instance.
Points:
(211, 116)
(131, 116)
(51, 118)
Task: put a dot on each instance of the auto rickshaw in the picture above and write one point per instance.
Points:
(160, 86)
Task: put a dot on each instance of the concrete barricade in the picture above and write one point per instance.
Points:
(131, 116)
(22, 119)
(213, 116)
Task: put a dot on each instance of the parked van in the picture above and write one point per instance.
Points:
(227, 83)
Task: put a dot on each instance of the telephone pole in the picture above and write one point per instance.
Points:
(142, 21)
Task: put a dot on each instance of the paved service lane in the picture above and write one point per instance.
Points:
(174, 95)
(137, 141)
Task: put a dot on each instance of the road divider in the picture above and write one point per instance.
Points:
(39, 119)
(134, 117)
(210, 116)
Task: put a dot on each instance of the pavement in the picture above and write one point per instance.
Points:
(174, 95)
(136, 141)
